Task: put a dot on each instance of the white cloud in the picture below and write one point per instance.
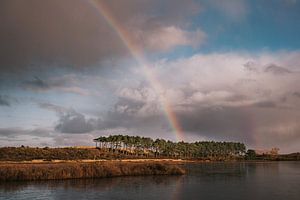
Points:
(166, 38)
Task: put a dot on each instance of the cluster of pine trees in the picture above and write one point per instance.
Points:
(145, 146)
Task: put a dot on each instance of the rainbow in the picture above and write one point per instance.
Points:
(138, 55)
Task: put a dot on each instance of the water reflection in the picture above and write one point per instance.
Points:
(218, 170)
(276, 180)
(118, 187)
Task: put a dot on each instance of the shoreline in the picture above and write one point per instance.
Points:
(76, 169)
(137, 160)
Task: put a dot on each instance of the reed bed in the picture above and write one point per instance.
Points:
(52, 171)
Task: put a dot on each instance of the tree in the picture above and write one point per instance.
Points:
(145, 146)
(250, 155)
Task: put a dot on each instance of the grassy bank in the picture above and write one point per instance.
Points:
(52, 171)
(69, 153)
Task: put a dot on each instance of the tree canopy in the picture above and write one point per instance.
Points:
(165, 148)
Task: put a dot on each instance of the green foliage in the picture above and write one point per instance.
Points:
(136, 145)
(251, 155)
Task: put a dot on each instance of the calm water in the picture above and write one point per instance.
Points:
(277, 180)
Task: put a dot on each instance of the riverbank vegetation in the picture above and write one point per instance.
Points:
(51, 171)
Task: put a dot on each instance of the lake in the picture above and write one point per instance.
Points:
(257, 180)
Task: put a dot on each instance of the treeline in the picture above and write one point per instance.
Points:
(147, 147)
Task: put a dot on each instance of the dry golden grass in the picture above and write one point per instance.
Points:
(48, 171)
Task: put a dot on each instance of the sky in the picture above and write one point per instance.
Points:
(73, 70)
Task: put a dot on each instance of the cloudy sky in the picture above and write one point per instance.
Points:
(71, 70)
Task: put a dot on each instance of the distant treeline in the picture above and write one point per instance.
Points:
(147, 147)
(251, 155)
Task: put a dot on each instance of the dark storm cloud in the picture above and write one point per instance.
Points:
(37, 83)
(13, 132)
(72, 33)
(219, 123)
(251, 66)
(127, 114)
(222, 123)
(70, 121)
(9, 132)
(40, 85)
(276, 70)
(265, 104)
(56, 31)
(272, 68)
(4, 101)
(123, 115)
(296, 94)
(74, 122)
